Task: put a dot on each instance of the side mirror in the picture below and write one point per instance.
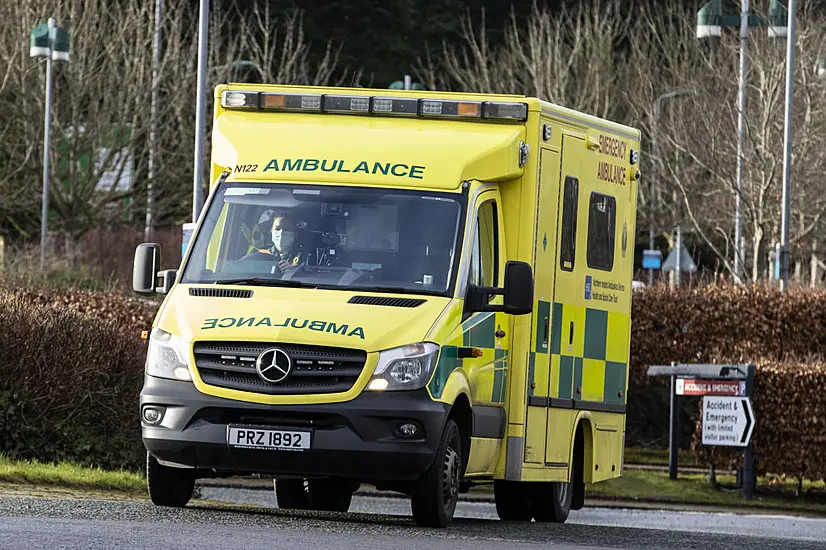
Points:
(518, 292)
(168, 277)
(145, 268)
(518, 288)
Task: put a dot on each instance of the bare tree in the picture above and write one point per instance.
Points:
(102, 104)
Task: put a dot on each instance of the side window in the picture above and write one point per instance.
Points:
(484, 269)
(601, 230)
(570, 206)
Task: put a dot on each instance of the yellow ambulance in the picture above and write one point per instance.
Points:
(419, 291)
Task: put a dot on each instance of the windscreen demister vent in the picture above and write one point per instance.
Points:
(386, 301)
(220, 292)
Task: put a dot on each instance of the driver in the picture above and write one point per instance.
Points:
(284, 244)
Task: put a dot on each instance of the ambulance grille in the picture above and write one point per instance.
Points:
(314, 369)
(386, 301)
(220, 292)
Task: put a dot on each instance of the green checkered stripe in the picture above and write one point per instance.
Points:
(478, 331)
(570, 366)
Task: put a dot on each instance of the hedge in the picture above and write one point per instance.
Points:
(70, 376)
(72, 361)
(724, 323)
(790, 432)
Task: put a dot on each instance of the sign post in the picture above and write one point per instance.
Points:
(728, 417)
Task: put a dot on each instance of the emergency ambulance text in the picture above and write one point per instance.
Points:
(399, 170)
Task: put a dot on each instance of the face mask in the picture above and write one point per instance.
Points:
(282, 240)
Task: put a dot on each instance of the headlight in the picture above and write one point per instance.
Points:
(167, 356)
(404, 368)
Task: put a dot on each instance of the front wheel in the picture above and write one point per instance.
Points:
(436, 492)
(512, 500)
(168, 486)
(551, 501)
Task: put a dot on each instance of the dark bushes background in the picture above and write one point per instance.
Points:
(70, 375)
(71, 367)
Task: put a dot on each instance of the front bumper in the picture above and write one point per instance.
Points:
(356, 439)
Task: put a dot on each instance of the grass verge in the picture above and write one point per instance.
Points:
(696, 489)
(70, 476)
(658, 457)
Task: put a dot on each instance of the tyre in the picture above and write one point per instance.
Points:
(512, 500)
(292, 493)
(330, 495)
(168, 486)
(436, 492)
(578, 476)
(551, 501)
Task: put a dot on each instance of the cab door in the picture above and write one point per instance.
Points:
(487, 334)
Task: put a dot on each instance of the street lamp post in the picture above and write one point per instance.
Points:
(741, 135)
(52, 43)
(153, 121)
(655, 154)
(710, 21)
(200, 111)
(787, 151)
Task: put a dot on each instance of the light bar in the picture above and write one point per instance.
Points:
(375, 105)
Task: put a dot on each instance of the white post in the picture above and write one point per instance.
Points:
(44, 215)
(153, 121)
(679, 267)
(200, 112)
(741, 134)
(787, 146)
(408, 82)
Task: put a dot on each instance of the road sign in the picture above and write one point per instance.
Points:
(693, 386)
(686, 263)
(727, 421)
(652, 259)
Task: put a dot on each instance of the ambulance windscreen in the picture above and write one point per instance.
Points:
(329, 237)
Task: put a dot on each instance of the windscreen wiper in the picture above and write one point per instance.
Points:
(263, 281)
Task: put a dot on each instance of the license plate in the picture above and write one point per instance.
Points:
(245, 437)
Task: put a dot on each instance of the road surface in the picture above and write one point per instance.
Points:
(374, 522)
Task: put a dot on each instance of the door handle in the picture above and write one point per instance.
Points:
(545, 333)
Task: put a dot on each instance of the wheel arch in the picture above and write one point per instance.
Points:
(584, 436)
(462, 413)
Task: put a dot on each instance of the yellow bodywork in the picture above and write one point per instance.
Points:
(560, 368)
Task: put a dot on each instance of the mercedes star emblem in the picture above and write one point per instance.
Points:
(273, 365)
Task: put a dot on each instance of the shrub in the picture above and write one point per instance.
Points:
(70, 376)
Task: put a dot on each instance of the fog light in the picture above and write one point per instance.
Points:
(152, 415)
(409, 430)
(379, 384)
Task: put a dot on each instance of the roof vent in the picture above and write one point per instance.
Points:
(220, 292)
(386, 301)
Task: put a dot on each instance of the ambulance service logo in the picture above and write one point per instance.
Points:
(588, 284)
(624, 238)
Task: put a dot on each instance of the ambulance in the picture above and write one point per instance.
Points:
(417, 291)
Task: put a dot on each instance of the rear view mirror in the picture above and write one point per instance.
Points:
(518, 288)
(145, 268)
(518, 292)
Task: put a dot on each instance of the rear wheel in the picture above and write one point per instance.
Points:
(292, 493)
(551, 501)
(436, 492)
(330, 495)
(512, 500)
(168, 486)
